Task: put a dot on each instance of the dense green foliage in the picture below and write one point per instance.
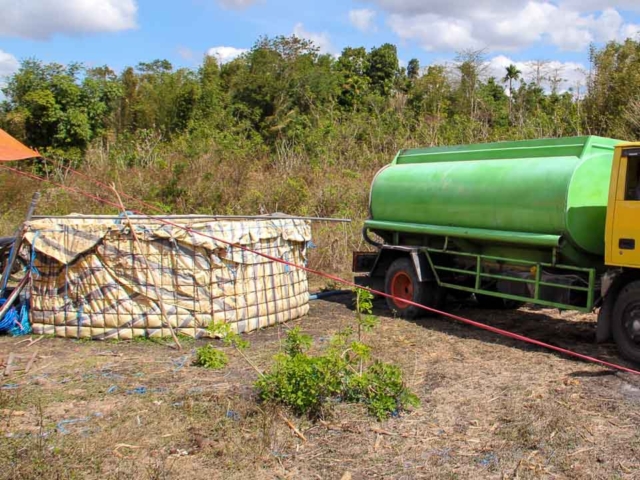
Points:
(311, 384)
(284, 94)
(285, 128)
(210, 357)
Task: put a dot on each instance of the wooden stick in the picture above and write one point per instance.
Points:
(246, 359)
(41, 367)
(151, 272)
(30, 363)
(116, 450)
(15, 294)
(293, 428)
(379, 431)
(32, 341)
(7, 368)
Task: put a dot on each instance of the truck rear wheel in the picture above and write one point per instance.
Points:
(401, 281)
(625, 325)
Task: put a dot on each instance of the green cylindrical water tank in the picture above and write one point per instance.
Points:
(552, 187)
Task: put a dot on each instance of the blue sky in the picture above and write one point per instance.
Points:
(123, 32)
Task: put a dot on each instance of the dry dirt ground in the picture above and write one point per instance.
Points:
(491, 408)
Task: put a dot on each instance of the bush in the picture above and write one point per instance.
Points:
(210, 357)
(303, 383)
(382, 390)
(310, 384)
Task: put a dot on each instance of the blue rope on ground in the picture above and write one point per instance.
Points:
(16, 320)
(9, 318)
(22, 326)
(122, 216)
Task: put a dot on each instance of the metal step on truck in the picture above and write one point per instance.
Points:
(551, 222)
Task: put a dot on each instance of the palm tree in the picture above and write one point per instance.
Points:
(512, 74)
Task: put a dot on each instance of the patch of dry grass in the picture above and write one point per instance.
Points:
(491, 408)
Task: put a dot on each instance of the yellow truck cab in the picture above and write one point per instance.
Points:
(619, 315)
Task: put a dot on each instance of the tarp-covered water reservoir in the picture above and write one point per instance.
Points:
(92, 279)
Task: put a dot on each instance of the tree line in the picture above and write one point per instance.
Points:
(284, 94)
(284, 128)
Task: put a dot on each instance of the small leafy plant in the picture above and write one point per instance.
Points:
(302, 382)
(382, 390)
(296, 342)
(310, 384)
(210, 357)
(227, 335)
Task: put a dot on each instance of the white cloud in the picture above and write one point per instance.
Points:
(608, 25)
(225, 54)
(40, 19)
(595, 5)
(446, 25)
(8, 65)
(363, 19)
(565, 74)
(433, 32)
(320, 40)
(631, 30)
(237, 4)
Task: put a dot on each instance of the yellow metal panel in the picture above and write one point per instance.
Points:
(622, 236)
(611, 207)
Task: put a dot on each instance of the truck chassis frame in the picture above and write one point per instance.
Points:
(478, 275)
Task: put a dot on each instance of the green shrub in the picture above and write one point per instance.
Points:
(303, 383)
(382, 390)
(227, 335)
(210, 357)
(310, 384)
(296, 342)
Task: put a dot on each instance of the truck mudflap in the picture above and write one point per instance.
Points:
(376, 263)
(369, 268)
(363, 262)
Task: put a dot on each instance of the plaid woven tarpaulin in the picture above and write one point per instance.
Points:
(92, 281)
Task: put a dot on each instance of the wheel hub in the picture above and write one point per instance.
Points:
(401, 289)
(632, 322)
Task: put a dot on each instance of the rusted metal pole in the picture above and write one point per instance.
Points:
(195, 217)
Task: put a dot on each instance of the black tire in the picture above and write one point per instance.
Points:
(497, 303)
(625, 325)
(401, 273)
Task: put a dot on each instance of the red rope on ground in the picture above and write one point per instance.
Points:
(466, 321)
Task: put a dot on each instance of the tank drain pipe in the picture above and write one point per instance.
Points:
(330, 293)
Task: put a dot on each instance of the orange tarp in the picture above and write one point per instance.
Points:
(12, 149)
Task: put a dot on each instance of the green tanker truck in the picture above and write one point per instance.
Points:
(552, 222)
